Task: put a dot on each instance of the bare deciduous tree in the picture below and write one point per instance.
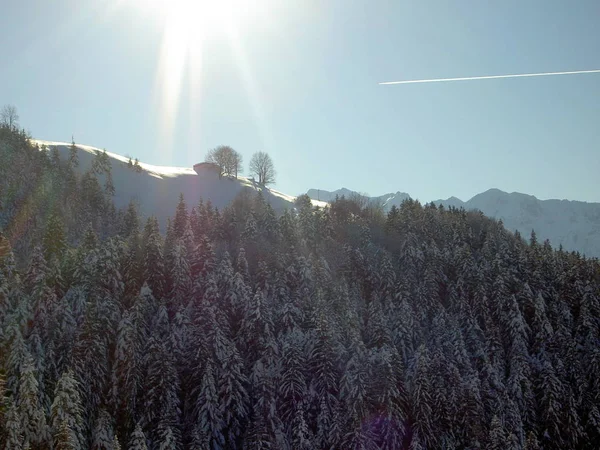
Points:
(235, 165)
(9, 116)
(228, 160)
(261, 166)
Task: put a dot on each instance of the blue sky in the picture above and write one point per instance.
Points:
(89, 68)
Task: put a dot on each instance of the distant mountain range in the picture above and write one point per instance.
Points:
(574, 224)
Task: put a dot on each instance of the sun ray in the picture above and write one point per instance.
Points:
(171, 69)
(195, 95)
(251, 87)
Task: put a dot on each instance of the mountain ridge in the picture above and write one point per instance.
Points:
(573, 224)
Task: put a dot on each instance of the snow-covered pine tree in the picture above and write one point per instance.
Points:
(389, 398)
(131, 221)
(126, 375)
(181, 219)
(154, 269)
(31, 411)
(103, 435)
(209, 423)
(54, 241)
(180, 276)
(66, 412)
(233, 397)
(138, 439)
(162, 388)
(421, 392)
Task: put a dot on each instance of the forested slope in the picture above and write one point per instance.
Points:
(321, 328)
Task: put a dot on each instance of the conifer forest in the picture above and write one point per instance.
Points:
(308, 328)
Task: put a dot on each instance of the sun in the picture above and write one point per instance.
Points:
(198, 19)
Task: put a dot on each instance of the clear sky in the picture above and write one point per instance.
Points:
(300, 81)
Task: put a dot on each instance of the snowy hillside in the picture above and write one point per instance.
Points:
(156, 189)
(575, 225)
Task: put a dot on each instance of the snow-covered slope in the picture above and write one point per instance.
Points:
(575, 225)
(156, 189)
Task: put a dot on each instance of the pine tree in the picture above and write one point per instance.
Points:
(138, 439)
(532, 442)
(167, 439)
(131, 221)
(390, 398)
(209, 413)
(421, 396)
(66, 413)
(180, 276)
(73, 155)
(180, 221)
(126, 377)
(103, 435)
(256, 329)
(37, 276)
(233, 396)
(10, 282)
(63, 439)
(250, 230)
(324, 385)
(550, 396)
(13, 437)
(266, 429)
(293, 389)
(154, 269)
(31, 413)
(90, 240)
(203, 259)
(109, 186)
(497, 437)
(63, 329)
(237, 297)
(242, 265)
(162, 385)
(17, 355)
(54, 241)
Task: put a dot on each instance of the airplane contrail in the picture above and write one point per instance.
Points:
(490, 77)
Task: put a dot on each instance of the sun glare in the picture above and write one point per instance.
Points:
(197, 19)
(188, 26)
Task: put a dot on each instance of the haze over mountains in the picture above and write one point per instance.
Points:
(573, 224)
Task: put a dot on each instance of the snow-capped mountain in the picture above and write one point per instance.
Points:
(156, 189)
(574, 224)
